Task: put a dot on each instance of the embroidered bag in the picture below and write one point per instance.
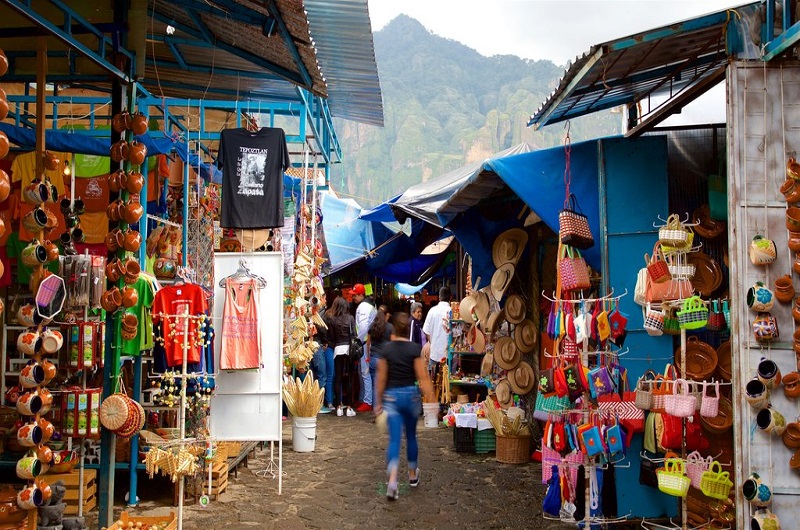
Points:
(573, 226)
(572, 270)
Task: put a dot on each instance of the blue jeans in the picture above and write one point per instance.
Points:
(330, 371)
(373, 367)
(366, 379)
(319, 367)
(403, 407)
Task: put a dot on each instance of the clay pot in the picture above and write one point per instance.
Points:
(3, 144)
(129, 297)
(113, 180)
(791, 385)
(112, 270)
(791, 190)
(793, 219)
(3, 63)
(114, 240)
(121, 122)
(793, 169)
(111, 299)
(131, 270)
(5, 185)
(791, 436)
(119, 151)
(3, 108)
(135, 182)
(137, 152)
(784, 289)
(132, 212)
(139, 124)
(52, 250)
(796, 263)
(130, 322)
(51, 161)
(131, 240)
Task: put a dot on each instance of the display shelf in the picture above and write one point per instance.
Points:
(457, 352)
(463, 383)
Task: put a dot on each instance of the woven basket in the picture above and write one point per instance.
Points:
(114, 411)
(671, 479)
(513, 449)
(716, 483)
(696, 465)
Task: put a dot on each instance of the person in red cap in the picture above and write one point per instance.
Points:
(365, 314)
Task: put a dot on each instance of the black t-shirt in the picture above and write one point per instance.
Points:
(400, 355)
(252, 177)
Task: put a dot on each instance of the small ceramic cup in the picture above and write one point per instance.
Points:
(764, 520)
(45, 488)
(48, 429)
(34, 254)
(30, 497)
(791, 435)
(31, 375)
(784, 289)
(28, 317)
(29, 404)
(791, 385)
(760, 298)
(44, 454)
(50, 371)
(756, 492)
(757, 394)
(30, 434)
(771, 421)
(52, 340)
(129, 297)
(769, 373)
(29, 342)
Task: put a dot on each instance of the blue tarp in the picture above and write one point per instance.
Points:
(348, 238)
(75, 142)
(381, 213)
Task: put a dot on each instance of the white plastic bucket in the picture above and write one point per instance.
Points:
(304, 434)
(431, 412)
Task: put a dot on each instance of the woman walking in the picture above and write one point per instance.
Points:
(340, 326)
(400, 367)
(416, 334)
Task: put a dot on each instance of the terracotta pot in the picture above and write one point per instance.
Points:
(130, 322)
(796, 263)
(121, 122)
(129, 297)
(791, 190)
(794, 240)
(51, 161)
(135, 182)
(3, 64)
(47, 429)
(119, 151)
(111, 240)
(791, 436)
(131, 240)
(3, 144)
(132, 212)
(784, 289)
(791, 385)
(5, 185)
(136, 154)
(131, 270)
(139, 124)
(794, 462)
(793, 219)
(52, 250)
(112, 271)
(3, 108)
(792, 169)
(113, 180)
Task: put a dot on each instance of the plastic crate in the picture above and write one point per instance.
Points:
(464, 439)
(485, 441)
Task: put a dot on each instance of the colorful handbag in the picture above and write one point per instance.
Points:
(696, 465)
(672, 435)
(716, 483)
(680, 403)
(657, 267)
(591, 440)
(640, 290)
(614, 439)
(548, 405)
(648, 472)
(573, 272)
(671, 478)
(709, 405)
(547, 383)
(653, 321)
(560, 380)
(644, 391)
(673, 235)
(600, 382)
(573, 226)
(716, 319)
(624, 409)
(574, 385)
(693, 313)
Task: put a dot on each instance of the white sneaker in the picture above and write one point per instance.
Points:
(350, 412)
(339, 411)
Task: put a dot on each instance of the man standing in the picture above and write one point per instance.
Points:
(365, 314)
(436, 329)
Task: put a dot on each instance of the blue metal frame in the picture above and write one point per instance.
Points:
(788, 37)
(66, 35)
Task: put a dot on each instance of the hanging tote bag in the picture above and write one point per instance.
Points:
(709, 405)
(696, 465)
(644, 391)
(573, 226)
(653, 321)
(680, 403)
(671, 478)
(693, 313)
(716, 483)
(572, 270)
(657, 266)
(356, 350)
(673, 235)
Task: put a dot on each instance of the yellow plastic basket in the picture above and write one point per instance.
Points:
(716, 483)
(671, 478)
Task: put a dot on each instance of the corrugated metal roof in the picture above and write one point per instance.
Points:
(342, 33)
(680, 60)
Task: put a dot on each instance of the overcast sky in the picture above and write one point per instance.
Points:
(556, 30)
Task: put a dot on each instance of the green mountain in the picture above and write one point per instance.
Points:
(445, 105)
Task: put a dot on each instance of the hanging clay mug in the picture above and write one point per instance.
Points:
(756, 492)
(5, 185)
(137, 152)
(112, 272)
(756, 394)
(113, 180)
(791, 385)
(769, 373)
(132, 239)
(3, 108)
(791, 436)
(132, 212)
(139, 124)
(121, 122)
(4, 145)
(760, 298)
(784, 289)
(51, 161)
(134, 182)
(771, 421)
(129, 297)
(765, 520)
(119, 151)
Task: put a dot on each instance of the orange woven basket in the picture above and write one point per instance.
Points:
(513, 449)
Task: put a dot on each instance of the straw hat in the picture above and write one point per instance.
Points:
(494, 321)
(487, 364)
(252, 238)
(503, 393)
(508, 355)
(466, 307)
(514, 309)
(476, 339)
(500, 280)
(481, 307)
(508, 246)
(521, 378)
(525, 336)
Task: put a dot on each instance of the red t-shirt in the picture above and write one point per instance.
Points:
(175, 300)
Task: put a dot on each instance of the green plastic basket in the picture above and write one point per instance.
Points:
(485, 441)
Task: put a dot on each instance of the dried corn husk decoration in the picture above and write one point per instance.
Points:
(303, 398)
(502, 424)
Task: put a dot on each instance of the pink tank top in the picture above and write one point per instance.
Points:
(241, 347)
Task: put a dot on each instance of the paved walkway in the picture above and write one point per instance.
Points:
(341, 485)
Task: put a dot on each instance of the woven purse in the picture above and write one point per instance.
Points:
(657, 266)
(716, 483)
(644, 391)
(709, 405)
(673, 235)
(693, 313)
(572, 270)
(573, 226)
(653, 322)
(680, 403)
(696, 465)
(671, 478)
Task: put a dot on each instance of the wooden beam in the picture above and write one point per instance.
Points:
(41, 115)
